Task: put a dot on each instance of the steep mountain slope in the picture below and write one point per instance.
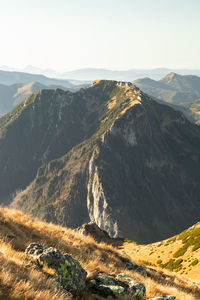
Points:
(43, 127)
(11, 95)
(172, 88)
(137, 174)
(180, 253)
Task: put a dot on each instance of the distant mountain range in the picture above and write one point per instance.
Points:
(182, 91)
(91, 74)
(8, 78)
(11, 95)
(127, 75)
(173, 88)
(16, 86)
(108, 153)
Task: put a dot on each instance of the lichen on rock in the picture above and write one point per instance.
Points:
(110, 285)
(136, 289)
(70, 275)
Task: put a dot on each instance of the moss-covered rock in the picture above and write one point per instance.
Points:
(71, 276)
(136, 289)
(109, 285)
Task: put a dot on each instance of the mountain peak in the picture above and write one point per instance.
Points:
(109, 85)
(171, 76)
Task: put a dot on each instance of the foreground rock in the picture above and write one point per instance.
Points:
(93, 230)
(70, 274)
(109, 285)
(98, 234)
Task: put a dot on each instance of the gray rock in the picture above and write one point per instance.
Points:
(98, 234)
(70, 275)
(93, 229)
(109, 285)
(136, 289)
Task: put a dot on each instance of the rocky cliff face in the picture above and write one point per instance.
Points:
(132, 165)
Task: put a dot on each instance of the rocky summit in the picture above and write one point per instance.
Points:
(108, 154)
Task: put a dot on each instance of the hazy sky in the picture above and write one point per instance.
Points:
(113, 34)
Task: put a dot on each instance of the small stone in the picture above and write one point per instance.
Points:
(135, 267)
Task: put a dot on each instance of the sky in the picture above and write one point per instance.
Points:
(114, 34)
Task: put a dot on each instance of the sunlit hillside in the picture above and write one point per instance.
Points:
(18, 281)
(180, 254)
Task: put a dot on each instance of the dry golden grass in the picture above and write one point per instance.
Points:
(165, 251)
(19, 282)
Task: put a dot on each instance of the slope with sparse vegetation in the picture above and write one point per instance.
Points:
(180, 254)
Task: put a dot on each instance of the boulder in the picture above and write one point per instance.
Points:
(70, 275)
(109, 285)
(136, 289)
(98, 234)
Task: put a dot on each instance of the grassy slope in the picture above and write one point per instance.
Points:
(180, 253)
(19, 282)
